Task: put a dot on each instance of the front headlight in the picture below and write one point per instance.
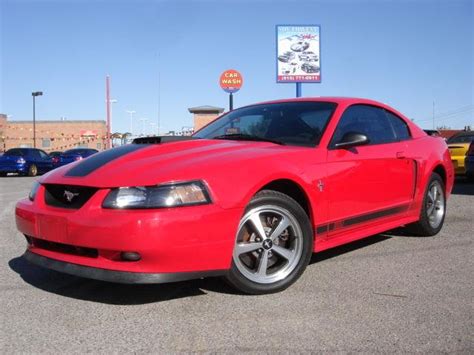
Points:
(169, 195)
(34, 190)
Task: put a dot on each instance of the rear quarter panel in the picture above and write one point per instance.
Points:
(430, 154)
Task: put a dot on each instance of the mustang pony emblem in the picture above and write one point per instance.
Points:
(70, 195)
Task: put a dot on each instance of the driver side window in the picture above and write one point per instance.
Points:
(365, 119)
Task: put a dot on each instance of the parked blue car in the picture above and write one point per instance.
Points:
(73, 155)
(469, 164)
(25, 161)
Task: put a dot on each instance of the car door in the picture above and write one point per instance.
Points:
(370, 182)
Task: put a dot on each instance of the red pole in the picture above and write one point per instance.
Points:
(107, 100)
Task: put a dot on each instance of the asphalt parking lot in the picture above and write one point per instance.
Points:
(387, 293)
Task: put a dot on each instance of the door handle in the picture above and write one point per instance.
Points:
(401, 155)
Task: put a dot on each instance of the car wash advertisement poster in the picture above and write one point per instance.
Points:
(298, 53)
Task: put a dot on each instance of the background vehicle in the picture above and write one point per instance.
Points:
(432, 132)
(25, 161)
(286, 57)
(249, 197)
(308, 57)
(458, 146)
(469, 162)
(73, 155)
(310, 68)
(55, 157)
(300, 46)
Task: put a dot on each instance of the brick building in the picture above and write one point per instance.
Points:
(204, 114)
(52, 135)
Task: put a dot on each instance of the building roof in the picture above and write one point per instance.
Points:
(448, 133)
(206, 109)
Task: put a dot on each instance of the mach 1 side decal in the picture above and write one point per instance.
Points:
(345, 223)
(95, 161)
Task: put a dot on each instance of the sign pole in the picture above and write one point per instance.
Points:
(298, 89)
(231, 81)
(231, 102)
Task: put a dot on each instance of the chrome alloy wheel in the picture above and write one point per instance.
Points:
(435, 204)
(269, 244)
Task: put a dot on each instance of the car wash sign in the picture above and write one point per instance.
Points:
(231, 81)
(298, 53)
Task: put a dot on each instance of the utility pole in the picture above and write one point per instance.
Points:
(34, 94)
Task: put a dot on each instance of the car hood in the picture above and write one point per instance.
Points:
(145, 165)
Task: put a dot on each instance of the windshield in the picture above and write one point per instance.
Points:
(465, 138)
(290, 123)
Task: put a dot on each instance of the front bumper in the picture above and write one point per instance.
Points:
(175, 240)
(116, 276)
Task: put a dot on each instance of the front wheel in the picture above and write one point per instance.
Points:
(433, 209)
(273, 246)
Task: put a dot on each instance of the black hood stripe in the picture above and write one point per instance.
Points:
(95, 161)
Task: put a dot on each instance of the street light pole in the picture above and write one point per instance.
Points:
(131, 120)
(143, 125)
(34, 94)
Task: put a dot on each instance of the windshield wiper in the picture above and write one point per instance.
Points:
(248, 137)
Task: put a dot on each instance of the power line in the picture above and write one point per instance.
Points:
(450, 114)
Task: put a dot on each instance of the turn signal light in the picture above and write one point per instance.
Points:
(130, 256)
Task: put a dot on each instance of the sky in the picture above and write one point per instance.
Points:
(166, 56)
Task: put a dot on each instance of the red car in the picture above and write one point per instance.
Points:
(249, 197)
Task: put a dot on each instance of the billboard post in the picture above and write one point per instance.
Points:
(298, 51)
(298, 89)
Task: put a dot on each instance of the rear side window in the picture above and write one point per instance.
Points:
(399, 126)
(34, 154)
(368, 120)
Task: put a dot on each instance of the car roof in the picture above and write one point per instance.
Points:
(335, 99)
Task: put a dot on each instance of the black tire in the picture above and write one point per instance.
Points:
(32, 170)
(424, 226)
(3, 174)
(296, 239)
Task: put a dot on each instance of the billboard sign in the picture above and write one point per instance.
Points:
(298, 50)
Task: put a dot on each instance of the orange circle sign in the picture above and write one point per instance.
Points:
(231, 81)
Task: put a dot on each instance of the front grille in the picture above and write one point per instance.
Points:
(66, 196)
(63, 248)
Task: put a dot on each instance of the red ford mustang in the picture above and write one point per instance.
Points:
(249, 197)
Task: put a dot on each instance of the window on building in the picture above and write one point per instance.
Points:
(46, 143)
(99, 146)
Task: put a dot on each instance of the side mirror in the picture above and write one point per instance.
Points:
(351, 139)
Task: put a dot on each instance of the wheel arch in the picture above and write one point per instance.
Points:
(441, 171)
(292, 189)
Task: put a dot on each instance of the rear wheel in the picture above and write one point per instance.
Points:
(433, 209)
(32, 170)
(273, 245)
